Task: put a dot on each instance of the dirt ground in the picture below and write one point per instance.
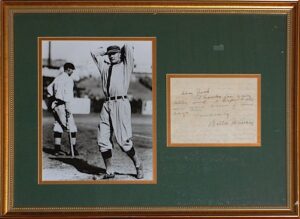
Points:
(89, 166)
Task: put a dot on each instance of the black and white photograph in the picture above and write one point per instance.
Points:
(98, 110)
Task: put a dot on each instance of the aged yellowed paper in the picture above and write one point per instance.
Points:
(214, 110)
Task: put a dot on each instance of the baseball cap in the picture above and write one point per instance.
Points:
(112, 49)
(69, 65)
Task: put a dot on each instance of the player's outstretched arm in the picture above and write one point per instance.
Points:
(127, 51)
(94, 57)
(97, 57)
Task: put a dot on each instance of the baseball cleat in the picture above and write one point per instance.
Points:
(59, 153)
(109, 176)
(139, 172)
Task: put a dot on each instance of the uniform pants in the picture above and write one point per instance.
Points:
(115, 117)
(60, 117)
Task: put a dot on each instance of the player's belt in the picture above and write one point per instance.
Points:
(116, 98)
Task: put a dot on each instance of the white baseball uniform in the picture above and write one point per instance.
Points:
(62, 89)
(115, 115)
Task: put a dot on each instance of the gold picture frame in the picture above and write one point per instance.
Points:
(10, 9)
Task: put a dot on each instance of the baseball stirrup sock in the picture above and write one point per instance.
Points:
(131, 152)
(106, 154)
(57, 135)
(73, 134)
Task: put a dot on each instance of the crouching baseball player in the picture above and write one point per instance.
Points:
(60, 94)
(115, 115)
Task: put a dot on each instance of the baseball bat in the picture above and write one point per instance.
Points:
(70, 139)
(71, 145)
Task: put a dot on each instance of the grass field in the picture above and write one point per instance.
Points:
(89, 164)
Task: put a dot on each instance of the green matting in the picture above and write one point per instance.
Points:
(186, 176)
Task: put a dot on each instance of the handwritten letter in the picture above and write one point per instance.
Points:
(214, 110)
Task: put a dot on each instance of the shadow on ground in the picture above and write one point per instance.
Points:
(80, 164)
